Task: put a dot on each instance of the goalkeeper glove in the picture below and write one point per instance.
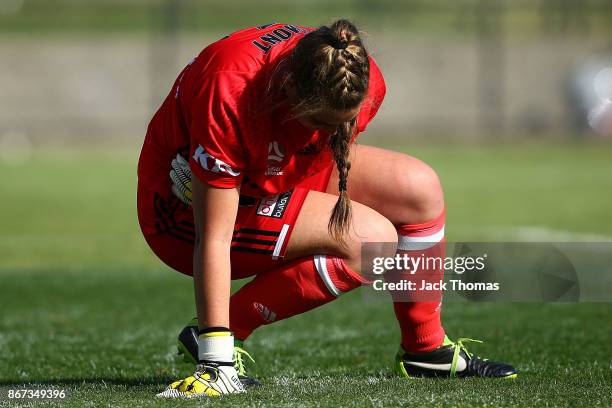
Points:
(215, 375)
(209, 380)
(180, 174)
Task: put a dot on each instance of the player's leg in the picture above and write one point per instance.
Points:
(411, 197)
(317, 269)
(402, 188)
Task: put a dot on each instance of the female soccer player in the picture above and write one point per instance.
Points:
(268, 117)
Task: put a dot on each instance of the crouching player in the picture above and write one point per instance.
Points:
(267, 118)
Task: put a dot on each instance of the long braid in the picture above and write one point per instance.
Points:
(330, 70)
(349, 52)
(340, 218)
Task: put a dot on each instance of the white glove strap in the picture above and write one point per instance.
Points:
(216, 346)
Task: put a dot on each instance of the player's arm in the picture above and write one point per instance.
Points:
(214, 170)
(214, 212)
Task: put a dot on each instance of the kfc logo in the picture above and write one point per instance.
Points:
(212, 164)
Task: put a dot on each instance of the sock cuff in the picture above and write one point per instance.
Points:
(418, 237)
(336, 275)
(425, 228)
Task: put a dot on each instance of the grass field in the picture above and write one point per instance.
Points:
(86, 306)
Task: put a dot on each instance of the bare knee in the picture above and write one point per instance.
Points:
(421, 192)
(370, 232)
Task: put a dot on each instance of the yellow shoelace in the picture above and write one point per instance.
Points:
(457, 347)
(238, 360)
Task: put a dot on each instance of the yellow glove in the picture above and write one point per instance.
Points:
(209, 380)
(215, 375)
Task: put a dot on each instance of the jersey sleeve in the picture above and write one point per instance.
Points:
(218, 156)
(376, 94)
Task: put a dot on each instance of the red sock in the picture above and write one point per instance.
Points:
(419, 319)
(289, 290)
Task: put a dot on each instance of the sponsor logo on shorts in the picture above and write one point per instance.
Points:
(267, 205)
(268, 315)
(274, 206)
(211, 163)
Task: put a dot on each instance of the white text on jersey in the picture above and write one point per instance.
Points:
(219, 166)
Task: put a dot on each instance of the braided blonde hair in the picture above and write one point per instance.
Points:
(329, 69)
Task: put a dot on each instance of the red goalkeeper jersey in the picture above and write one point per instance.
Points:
(237, 130)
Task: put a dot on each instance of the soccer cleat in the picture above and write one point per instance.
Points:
(452, 359)
(239, 352)
(187, 345)
(209, 380)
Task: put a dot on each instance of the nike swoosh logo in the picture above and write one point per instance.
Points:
(461, 365)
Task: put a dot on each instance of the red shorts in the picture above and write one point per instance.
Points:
(261, 233)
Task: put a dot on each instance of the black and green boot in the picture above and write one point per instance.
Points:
(451, 359)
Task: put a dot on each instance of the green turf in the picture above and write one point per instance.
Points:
(86, 307)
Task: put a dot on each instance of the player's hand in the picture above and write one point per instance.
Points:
(209, 380)
(180, 174)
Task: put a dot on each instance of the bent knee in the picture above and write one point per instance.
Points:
(421, 190)
(381, 230)
(369, 226)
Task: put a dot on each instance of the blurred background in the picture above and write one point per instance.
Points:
(504, 98)
(496, 95)
(92, 72)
